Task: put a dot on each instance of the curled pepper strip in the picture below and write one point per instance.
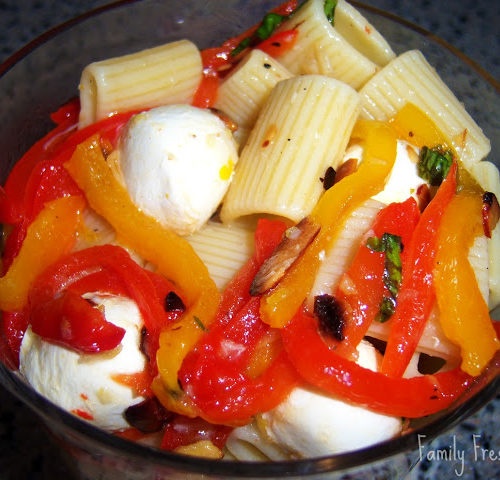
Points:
(416, 294)
(403, 397)
(39, 176)
(59, 313)
(218, 375)
(218, 61)
(50, 235)
(279, 304)
(235, 308)
(173, 255)
(239, 368)
(463, 312)
(361, 300)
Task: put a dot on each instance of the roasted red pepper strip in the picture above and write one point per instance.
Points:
(206, 94)
(416, 294)
(39, 176)
(279, 43)
(361, 288)
(218, 61)
(226, 388)
(105, 269)
(267, 235)
(12, 207)
(14, 324)
(217, 373)
(403, 397)
(70, 320)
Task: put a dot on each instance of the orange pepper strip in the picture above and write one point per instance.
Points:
(51, 235)
(464, 314)
(173, 256)
(281, 303)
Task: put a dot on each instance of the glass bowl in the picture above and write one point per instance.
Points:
(43, 75)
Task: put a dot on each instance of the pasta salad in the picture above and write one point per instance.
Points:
(240, 252)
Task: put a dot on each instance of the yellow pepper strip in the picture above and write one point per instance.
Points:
(378, 139)
(51, 235)
(417, 128)
(173, 255)
(464, 314)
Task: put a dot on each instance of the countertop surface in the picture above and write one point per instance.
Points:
(26, 450)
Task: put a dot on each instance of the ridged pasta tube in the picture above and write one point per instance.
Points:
(341, 253)
(223, 248)
(243, 92)
(361, 34)
(302, 130)
(161, 75)
(410, 78)
(486, 173)
(322, 48)
(432, 342)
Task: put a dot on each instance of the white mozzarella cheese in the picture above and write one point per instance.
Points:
(310, 424)
(84, 384)
(403, 180)
(177, 162)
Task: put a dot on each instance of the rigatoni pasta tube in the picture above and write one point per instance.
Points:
(223, 248)
(302, 130)
(243, 92)
(321, 49)
(410, 78)
(161, 75)
(361, 34)
(489, 178)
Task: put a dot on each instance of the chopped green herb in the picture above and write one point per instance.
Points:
(200, 323)
(269, 24)
(434, 164)
(391, 245)
(329, 8)
(266, 28)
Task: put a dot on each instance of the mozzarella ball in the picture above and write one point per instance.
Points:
(404, 180)
(309, 423)
(177, 162)
(83, 384)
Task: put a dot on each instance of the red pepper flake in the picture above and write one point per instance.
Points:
(82, 414)
(269, 136)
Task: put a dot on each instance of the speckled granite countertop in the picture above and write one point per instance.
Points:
(26, 450)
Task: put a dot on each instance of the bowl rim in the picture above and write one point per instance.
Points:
(362, 458)
(365, 457)
(19, 54)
